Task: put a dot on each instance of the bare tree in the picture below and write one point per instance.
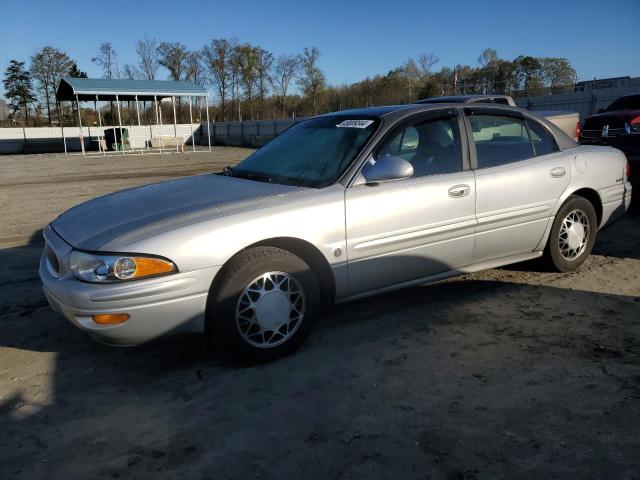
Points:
(426, 61)
(311, 80)
(411, 75)
(107, 59)
(48, 66)
(195, 71)
(285, 68)
(248, 58)
(263, 71)
(557, 72)
(173, 57)
(130, 72)
(147, 50)
(487, 57)
(235, 66)
(216, 57)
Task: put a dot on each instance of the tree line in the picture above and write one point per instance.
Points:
(248, 82)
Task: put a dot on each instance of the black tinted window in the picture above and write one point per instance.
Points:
(499, 140)
(543, 142)
(432, 147)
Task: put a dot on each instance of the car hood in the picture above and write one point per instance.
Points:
(615, 119)
(95, 223)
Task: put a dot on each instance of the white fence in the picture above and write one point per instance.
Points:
(53, 139)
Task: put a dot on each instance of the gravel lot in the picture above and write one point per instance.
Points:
(509, 373)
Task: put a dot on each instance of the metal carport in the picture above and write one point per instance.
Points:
(118, 90)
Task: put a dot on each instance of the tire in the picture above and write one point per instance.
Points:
(569, 246)
(247, 308)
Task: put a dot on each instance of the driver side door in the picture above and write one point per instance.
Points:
(403, 230)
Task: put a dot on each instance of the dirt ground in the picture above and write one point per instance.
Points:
(511, 373)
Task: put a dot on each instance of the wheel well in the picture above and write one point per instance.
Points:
(595, 200)
(309, 254)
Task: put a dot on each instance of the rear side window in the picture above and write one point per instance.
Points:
(500, 140)
(543, 142)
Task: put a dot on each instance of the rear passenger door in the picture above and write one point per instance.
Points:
(519, 175)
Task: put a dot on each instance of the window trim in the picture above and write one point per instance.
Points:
(502, 112)
(527, 121)
(492, 111)
(410, 120)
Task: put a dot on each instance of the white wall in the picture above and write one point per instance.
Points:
(13, 140)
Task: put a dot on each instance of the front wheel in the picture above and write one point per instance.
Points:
(573, 234)
(263, 306)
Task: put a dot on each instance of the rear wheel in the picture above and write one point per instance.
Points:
(572, 235)
(263, 305)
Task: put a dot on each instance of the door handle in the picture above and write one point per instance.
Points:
(458, 191)
(557, 172)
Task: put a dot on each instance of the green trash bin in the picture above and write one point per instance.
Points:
(117, 138)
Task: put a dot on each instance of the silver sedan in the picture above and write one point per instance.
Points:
(338, 207)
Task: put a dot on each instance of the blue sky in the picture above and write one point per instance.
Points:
(357, 39)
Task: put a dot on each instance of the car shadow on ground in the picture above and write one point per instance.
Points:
(461, 379)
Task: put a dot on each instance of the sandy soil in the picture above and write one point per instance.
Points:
(509, 373)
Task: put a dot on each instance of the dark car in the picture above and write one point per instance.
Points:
(617, 126)
(501, 99)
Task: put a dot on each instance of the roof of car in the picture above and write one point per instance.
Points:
(458, 98)
(397, 112)
(371, 111)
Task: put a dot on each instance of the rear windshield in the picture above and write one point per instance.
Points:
(313, 153)
(625, 103)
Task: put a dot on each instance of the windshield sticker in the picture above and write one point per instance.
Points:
(354, 124)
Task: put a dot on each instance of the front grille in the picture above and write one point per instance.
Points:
(52, 259)
(598, 122)
(612, 132)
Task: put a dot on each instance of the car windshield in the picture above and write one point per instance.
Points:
(625, 103)
(313, 153)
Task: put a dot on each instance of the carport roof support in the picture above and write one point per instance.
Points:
(86, 89)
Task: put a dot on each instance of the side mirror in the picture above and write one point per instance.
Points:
(601, 110)
(386, 169)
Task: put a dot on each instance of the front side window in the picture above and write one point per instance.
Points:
(314, 153)
(432, 147)
(500, 140)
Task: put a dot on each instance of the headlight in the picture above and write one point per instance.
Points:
(90, 267)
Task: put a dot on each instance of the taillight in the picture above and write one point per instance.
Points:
(627, 170)
(578, 129)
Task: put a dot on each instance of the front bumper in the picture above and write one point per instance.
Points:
(156, 307)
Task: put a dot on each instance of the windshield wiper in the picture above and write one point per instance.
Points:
(258, 177)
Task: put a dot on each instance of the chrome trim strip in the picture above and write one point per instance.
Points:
(414, 235)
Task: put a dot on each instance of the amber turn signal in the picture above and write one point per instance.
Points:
(126, 268)
(110, 318)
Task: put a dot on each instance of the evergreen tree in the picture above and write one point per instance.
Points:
(18, 88)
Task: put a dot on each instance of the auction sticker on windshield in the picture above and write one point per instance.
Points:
(354, 123)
